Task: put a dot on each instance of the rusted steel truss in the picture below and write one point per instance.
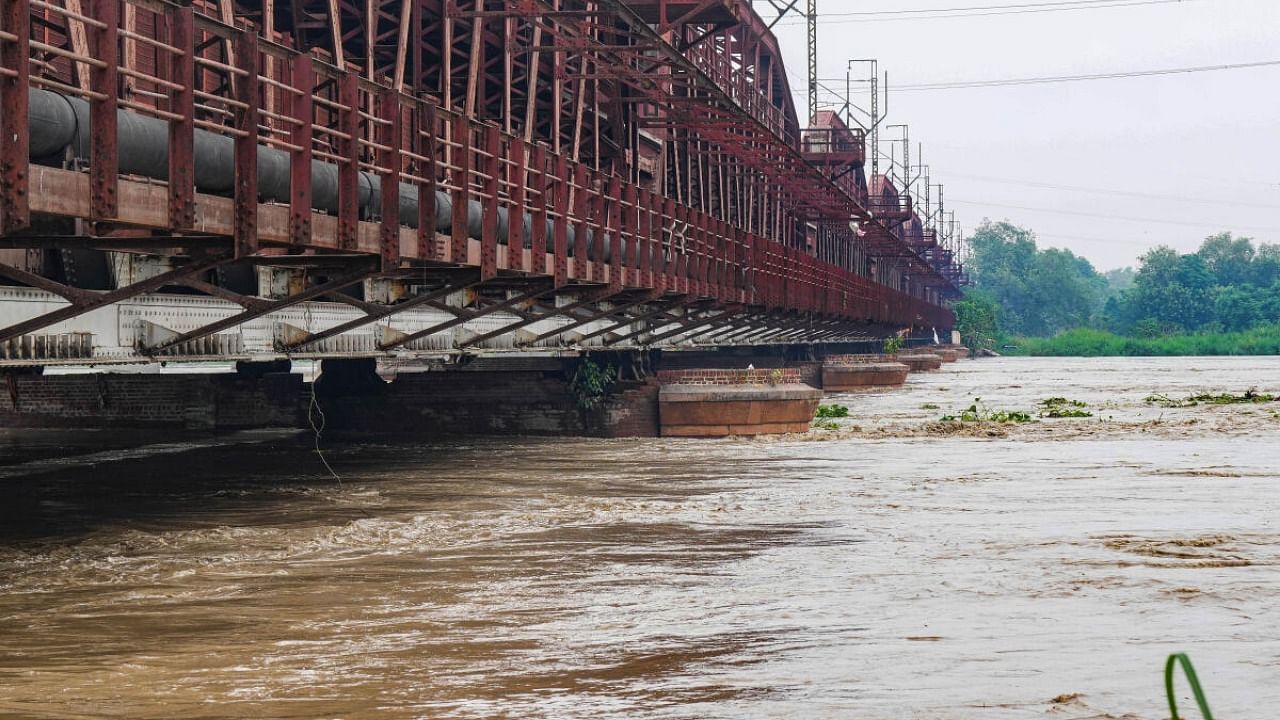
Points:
(640, 158)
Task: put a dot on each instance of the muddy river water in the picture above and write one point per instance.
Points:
(894, 568)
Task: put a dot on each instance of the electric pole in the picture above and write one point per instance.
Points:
(813, 62)
(875, 120)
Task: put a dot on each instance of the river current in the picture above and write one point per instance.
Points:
(894, 568)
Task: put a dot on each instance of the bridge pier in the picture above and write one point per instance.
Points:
(696, 394)
(919, 361)
(625, 393)
(720, 403)
(842, 373)
(257, 397)
(488, 396)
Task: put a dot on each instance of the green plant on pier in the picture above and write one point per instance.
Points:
(591, 381)
(893, 344)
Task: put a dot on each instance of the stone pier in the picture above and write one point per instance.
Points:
(720, 403)
(920, 361)
(254, 397)
(948, 355)
(842, 373)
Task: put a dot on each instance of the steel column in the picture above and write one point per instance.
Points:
(15, 94)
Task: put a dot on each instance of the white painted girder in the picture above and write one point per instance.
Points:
(118, 330)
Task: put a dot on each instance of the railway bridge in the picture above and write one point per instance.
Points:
(401, 181)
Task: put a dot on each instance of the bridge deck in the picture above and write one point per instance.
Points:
(142, 127)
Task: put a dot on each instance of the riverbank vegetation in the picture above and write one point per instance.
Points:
(1223, 299)
(1088, 342)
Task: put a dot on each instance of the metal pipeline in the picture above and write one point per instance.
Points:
(60, 124)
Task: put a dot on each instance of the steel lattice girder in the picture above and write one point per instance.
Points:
(769, 273)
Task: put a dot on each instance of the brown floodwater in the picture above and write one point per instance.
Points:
(894, 568)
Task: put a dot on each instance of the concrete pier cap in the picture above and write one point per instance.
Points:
(839, 375)
(948, 355)
(920, 361)
(721, 403)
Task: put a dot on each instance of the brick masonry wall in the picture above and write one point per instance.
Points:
(810, 372)
(196, 402)
(689, 360)
(772, 376)
(631, 413)
(859, 358)
(432, 404)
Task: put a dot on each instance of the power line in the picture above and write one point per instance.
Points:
(1126, 218)
(978, 11)
(963, 84)
(1104, 191)
(1110, 240)
(971, 8)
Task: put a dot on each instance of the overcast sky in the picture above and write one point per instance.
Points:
(1206, 144)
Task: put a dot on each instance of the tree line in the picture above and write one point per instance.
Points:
(1230, 284)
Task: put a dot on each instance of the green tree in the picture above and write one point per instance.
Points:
(977, 319)
(1227, 285)
(1229, 259)
(1265, 270)
(1176, 291)
(1039, 292)
(1003, 255)
(1238, 307)
(1119, 280)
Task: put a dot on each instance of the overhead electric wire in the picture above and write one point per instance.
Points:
(995, 10)
(966, 84)
(1102, 216)
(971, 8)
(1081, 238)
(1107, 191)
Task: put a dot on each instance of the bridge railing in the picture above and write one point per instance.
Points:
(368, 168)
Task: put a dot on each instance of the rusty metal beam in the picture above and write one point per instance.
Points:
(465, 317)
(593, 296)
(592, 317)
(384, 311)
(257, 310)
(685, 324)
(686, 328)
(82, 301)
(666, 308)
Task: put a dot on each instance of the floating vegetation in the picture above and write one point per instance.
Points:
(1060, 407)
(1250, 396)
(833, 411)
(1247, 397)
(930, 406)
(978, 412)
(826, 424)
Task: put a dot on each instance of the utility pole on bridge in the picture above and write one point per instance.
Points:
(812, 15)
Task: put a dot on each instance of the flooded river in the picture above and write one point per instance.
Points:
(894, 568)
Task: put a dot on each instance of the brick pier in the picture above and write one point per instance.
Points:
(719, 403)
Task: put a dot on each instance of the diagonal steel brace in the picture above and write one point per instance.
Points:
(83, 301)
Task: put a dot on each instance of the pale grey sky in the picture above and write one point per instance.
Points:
(1207, 145)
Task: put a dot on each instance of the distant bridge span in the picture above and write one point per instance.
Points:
(323, 178)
